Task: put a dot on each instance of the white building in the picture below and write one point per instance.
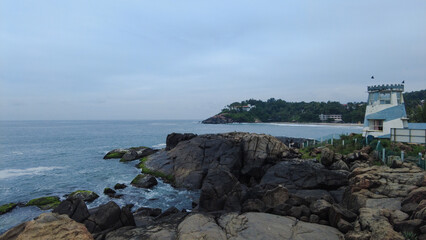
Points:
(385, 110)
(335, 117)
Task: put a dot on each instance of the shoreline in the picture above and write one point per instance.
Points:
(323, 124)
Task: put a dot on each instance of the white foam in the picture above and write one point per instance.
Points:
(8, 173)
(159, 146)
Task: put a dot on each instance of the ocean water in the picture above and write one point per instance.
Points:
(55, 158)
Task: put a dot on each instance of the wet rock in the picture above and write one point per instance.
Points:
(120, 186)
(144, 211)
(87, 196)
(45, 203)
(144, 181)
(7, 207)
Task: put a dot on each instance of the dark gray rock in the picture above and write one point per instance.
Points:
(337, 212)
(253, 205)
(144, 211)
(174, 138)
(120, 186)
(305, 174)
(327, 156)
(76, 209)
(87, 196)
(144, 181)
(220, 191)
(321, 208)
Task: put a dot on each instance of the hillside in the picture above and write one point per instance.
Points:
(278, 110)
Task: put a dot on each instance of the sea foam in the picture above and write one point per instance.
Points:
(8, 173)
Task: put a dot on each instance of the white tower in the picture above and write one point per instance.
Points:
(385, 110)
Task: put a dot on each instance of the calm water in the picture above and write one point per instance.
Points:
(54, 158)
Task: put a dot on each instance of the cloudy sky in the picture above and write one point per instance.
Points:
(189, 59)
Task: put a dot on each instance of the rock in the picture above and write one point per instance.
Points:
(87, 196)
(304, 174)
(420, 212)
(116, 153)
(415, 196)
(358, 235)
(339, 165)
(337, 212)
(109, 217)
(268, 226)
(396, 164)
(75, 208)
(412, 225)
(200, 226)
(275, 197)
(218, 119)
(378, 225)
(144, 181)
(45, 203)
(220, 191)
(295, 212)
(387, 203)
(174, 138)
(120, 186)
(244, 155)
(109, 191)
(48, 226)
(327, 157)
(398, 216)
(168, 212)
(144, 211)
(309, 196)
(344, 226)
(253, 205)
(314, 218)
(320, 208)
(7, 207)
(409, 208)
(282, 210)
(137, 153)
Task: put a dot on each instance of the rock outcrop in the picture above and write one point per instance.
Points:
(130, 154)
(48, 226)
(218, 119)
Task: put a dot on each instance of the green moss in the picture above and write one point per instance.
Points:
(44, 202)
(6, 208)
(146, 170)
(137, 148)
(114, 155)
(409, 235)
(137, 178)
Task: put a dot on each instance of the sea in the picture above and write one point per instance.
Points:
(55, 158)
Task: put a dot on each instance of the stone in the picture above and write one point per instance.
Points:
(387, 203)
(379, 226)
(321, 208)
(109, 217)
(412, 225)
(199, 226)
(136, 153)
(144, 211)
(415, 196)
(314, 218)
(327, 157)
(7, 207)
(409, 208)
(344, 226)
(144, 181)
(337, 212)
(339, 165)
(87, 196)
(420, 212)
(45, 203)
(295, 212)
(220, 191)
(304, 174)
(116, 153)
(174, 138)
(253, 205)
(358, 235)
(49, 226)
(268, 226)
(75, 208)
(275, 197)
(120, 186)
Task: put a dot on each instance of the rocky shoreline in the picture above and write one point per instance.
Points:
(252, 186)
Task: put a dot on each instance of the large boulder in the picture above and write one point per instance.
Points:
(373, 221)
(130, 154)
(144, 181)
(247, 156)
(327, 156)
(48, 226)
(304, 174)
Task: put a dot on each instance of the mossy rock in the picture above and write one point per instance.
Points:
(114, 155)
(144, 181)
(120, 186)
(7, 208)
(146, 170)
(108, 191)
(45, 203)
(85, 195)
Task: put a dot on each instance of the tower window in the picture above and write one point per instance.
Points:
(385, 98)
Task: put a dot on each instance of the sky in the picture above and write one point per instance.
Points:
(131, 60)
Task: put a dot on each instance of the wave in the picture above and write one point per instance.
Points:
(8, 173)
(159, 146)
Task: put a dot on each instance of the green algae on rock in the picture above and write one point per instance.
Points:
(7, 208)
(85, 195)
(45, 203)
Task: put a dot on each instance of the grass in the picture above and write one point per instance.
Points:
(409, 235)
(146, 170)
(7, 207)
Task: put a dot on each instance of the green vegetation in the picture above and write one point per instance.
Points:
(45, 202)
(409, 235)
(114, 155)
(415, 107)
(145, 170)
(277, 110)
(7, 207)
